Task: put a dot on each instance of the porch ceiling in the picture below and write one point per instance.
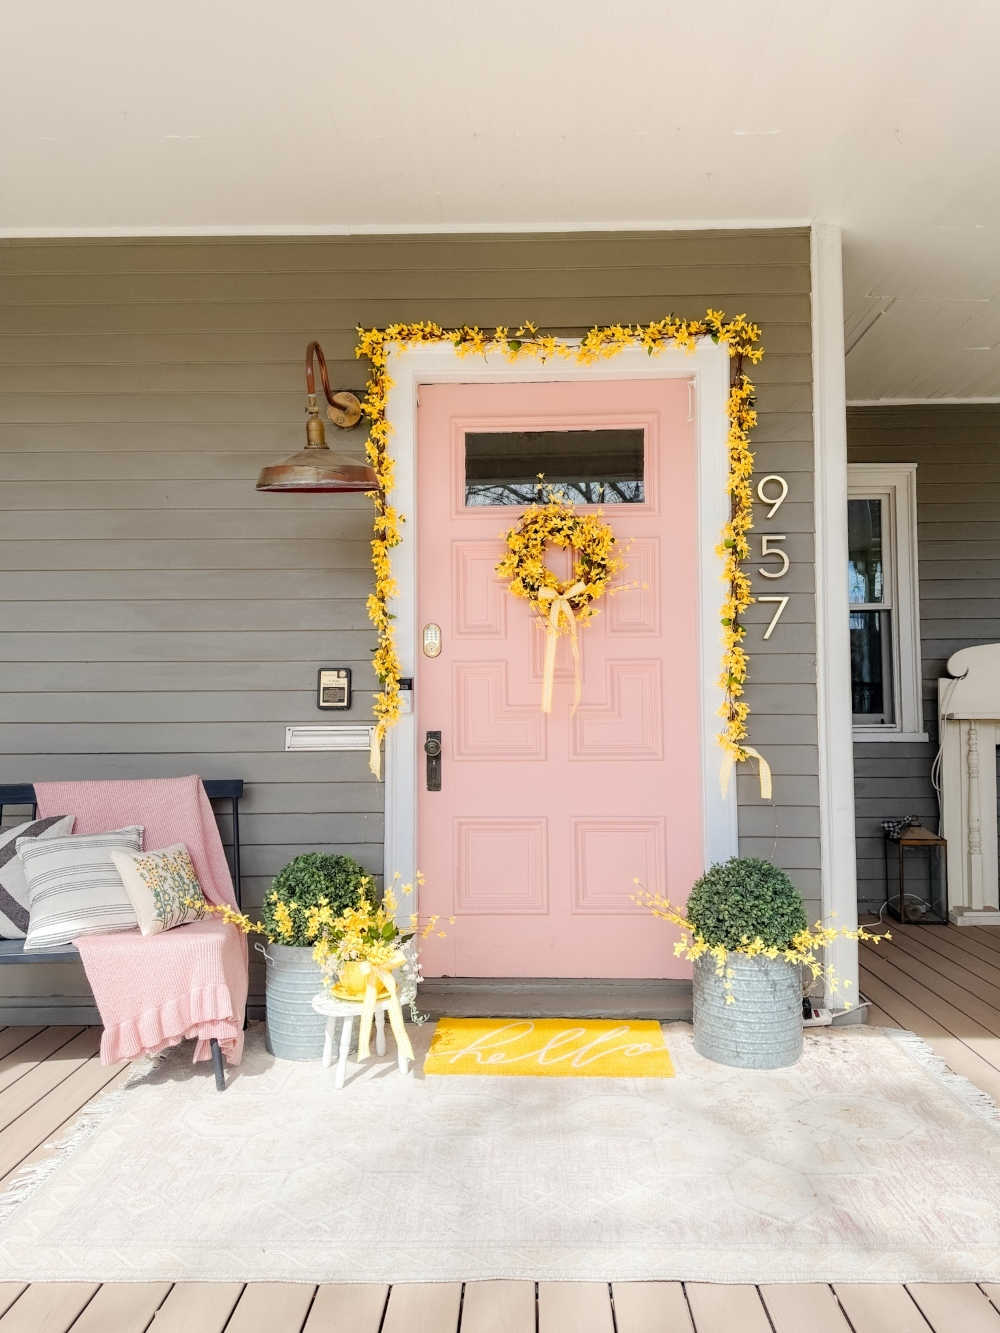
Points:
(227, 117)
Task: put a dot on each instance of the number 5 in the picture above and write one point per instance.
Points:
(767, 549)
(782, 603)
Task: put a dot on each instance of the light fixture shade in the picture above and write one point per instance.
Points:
(316, 468)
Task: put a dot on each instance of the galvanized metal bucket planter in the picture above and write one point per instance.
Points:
(294, 1030)
(762, 1029)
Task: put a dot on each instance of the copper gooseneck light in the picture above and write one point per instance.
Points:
(316, 467)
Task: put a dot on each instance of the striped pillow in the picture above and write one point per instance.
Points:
(13, 885)
(74, 887)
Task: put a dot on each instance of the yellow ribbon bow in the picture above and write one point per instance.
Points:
(373, 976)
(375, 752)
(560, 607)
(729, 764)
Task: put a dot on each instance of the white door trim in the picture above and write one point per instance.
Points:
(438, 363)
(838, 873)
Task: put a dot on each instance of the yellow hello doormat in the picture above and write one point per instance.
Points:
(550, 1048)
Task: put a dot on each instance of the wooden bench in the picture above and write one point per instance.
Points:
(12, 951)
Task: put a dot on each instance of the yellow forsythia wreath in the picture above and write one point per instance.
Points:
(558, 523)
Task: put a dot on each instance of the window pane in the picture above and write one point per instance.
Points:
(871, 682)
(589, 466)
(865, 569)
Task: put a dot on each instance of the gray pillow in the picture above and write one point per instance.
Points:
(74, 887)
(13, 886)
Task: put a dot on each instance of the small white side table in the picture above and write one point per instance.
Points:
(345, 1012)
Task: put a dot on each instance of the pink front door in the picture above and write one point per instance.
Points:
(542, 822)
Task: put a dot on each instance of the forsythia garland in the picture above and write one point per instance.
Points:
(600, 344)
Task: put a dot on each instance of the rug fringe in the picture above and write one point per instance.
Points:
(972, 1098)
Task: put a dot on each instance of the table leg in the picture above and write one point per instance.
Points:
(402, 1063)
(346, 1030)
(380, 1032)
(331, 1032)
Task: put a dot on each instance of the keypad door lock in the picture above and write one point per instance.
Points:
(432, 749)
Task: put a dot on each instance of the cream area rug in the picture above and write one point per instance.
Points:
(866, 1162)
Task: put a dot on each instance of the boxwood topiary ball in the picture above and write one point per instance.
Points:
(309, 880)
(314, 875)
(746, 898)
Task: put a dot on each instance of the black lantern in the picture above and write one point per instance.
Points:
(920, 896)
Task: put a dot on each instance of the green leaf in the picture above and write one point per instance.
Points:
(514, 344)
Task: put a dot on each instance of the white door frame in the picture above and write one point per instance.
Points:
(438, 363)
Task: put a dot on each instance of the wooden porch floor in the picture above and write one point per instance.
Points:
(940, 982)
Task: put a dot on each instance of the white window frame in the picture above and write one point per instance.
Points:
(896, 485)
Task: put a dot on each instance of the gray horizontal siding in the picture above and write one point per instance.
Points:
(522, 253)
(163, 618)
(957, 450)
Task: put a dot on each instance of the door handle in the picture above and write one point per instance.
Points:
(432, 749)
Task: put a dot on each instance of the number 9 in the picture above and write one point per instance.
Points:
(774, 501)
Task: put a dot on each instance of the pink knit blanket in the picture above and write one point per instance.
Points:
(155, 991)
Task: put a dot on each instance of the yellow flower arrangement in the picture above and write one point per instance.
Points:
(358, 947)
(802, 950)
(738, 335)
(364, 932)
(368, 932)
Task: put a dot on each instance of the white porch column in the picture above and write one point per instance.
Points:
(833, 662)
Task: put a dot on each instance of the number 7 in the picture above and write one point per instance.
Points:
(782, 603)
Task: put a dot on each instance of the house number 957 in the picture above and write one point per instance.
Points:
(772, 491)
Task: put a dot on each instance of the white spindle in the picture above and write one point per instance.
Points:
(975, 820)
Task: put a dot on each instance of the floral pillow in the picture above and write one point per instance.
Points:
(161, 886)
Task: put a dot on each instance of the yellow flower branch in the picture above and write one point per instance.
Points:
(738, 335)
(802, 950)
